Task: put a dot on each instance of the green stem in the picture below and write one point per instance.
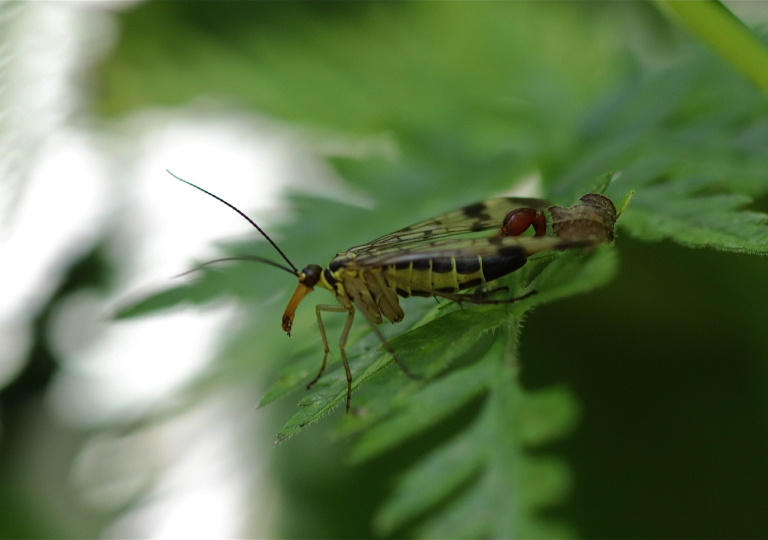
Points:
(726, 34)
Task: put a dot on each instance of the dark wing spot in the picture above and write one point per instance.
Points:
(474, 210)
(477, 226)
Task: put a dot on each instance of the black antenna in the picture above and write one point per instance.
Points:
(239, 258)
(280, 251)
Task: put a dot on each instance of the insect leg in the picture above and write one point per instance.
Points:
(481, 293)
(389, 348)
(472, 299)
(326, 350)
(342, 345)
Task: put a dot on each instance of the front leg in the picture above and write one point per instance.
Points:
(333, 309)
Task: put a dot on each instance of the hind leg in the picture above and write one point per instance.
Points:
(342, 345)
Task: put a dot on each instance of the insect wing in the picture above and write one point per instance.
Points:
(460, 247)
(480, 216)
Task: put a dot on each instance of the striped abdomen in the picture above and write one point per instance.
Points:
(452, 274)
(373, 290)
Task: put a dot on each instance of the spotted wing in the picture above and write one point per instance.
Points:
(480, 216)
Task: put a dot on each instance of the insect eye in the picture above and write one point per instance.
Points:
(310, 275)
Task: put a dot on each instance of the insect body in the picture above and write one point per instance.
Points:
(425, 259)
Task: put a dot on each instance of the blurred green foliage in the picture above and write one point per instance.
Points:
(667, 362)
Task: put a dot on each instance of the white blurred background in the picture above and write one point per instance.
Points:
(69, 183)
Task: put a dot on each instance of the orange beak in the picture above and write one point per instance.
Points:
(290, 310)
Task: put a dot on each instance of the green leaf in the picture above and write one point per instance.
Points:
(461, 330)
(495, 484)
(418, 349)
(442, 472)
(425, 408)
(495, 443)
(471, 515)
(547, 414)
(302, 368)
(677, 211)
(573, 274)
